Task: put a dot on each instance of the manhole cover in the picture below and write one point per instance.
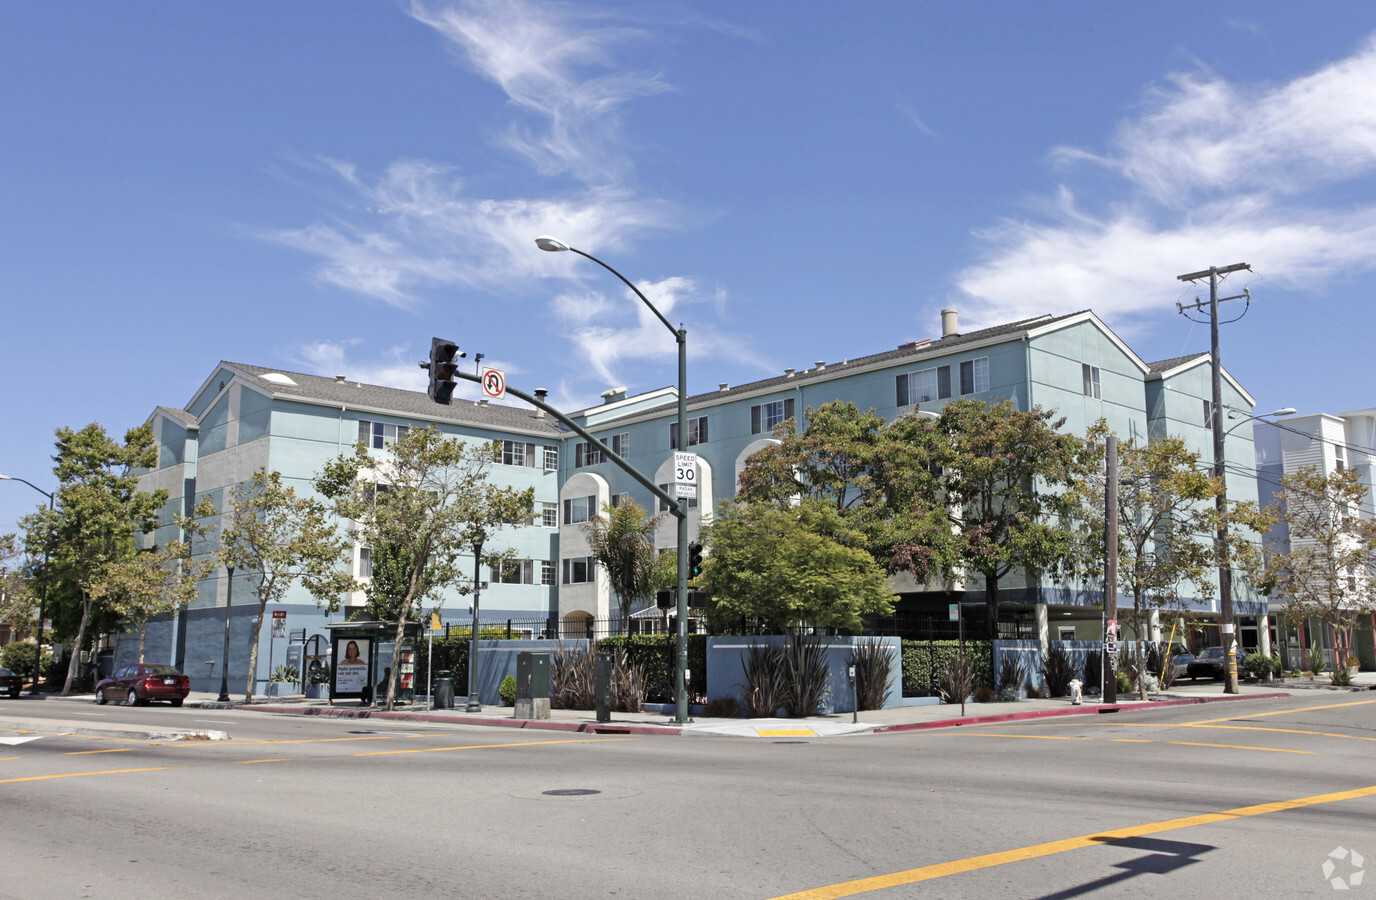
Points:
(570, 792)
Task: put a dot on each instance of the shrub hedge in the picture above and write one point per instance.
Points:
(923, 662)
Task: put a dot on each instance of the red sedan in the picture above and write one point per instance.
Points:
(141, 682)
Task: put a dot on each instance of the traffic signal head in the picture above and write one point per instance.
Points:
(694, 559)
(444, 357)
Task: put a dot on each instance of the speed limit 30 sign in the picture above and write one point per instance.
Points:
(686, 475)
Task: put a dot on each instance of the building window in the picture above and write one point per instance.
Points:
(1208, 414)
(550, 458)
(546, 514)
(378, 435)
(621, 444)
(974, 376)
(1339, 458)
(922, 386)
(618, 499)
(577, 570)
(1090, 376)
(514, 571)
(586, 453)
(579, 509)
(664, 507)
(365, 562)
(548, 571)
(697, 432)
(516, 453)
(764, 417)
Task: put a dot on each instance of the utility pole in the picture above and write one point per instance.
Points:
(1225, 572)
(1109, 667)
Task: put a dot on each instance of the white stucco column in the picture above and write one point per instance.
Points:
(1043, 628)
(1264, 634)
(1154, 625)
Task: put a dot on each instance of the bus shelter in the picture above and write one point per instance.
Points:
(361, 653)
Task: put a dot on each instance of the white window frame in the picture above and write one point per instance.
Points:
(549, 457)
(1089, 376)
(979, 376)
(765, 416)
(571, 566)
(697, 432)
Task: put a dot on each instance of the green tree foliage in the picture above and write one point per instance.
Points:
(279, 537)
(159, 581)
(98, 510)
(1006, 480)
(622, 541)
(431, 502)
(1166, 519)
(877, 475)
(786, 565)
(1327, 571)
(18, 605)
(386, 590)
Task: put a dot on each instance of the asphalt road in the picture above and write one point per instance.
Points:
(1220, 800)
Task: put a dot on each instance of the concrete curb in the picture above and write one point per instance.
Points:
(128, 734)
(486, 721)
(1097, 709)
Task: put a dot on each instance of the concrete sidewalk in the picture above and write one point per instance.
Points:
(903, 718)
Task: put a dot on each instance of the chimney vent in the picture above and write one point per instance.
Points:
(950, 324)
(723, 386)
(821, 364)
(339, 379)
(788, 373)
(541, 394)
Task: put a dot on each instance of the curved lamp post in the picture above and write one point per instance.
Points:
(224, 659)
(1225, 569)
(42, 588)
(554, 245)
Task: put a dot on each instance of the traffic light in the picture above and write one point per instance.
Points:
(664, 599)
(443, 363)
(694, 559)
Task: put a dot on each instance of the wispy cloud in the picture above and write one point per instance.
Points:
(1208, 172)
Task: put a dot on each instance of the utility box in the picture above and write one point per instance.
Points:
(602, 686)
(532, 685)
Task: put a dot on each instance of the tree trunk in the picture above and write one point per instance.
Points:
(75, 662)
(991, 605)
(253, 651)
(396, 654)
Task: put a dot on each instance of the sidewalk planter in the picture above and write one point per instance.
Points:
(317, 692)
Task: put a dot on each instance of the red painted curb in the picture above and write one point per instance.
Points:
(1075, 711)
(503, 722)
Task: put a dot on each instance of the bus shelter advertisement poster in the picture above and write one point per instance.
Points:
(351, 666)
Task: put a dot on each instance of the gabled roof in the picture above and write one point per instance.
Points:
(357, 395)
(1168, 368)
(180, 416)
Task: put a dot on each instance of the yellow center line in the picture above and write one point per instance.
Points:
(989, 860)
(249, 762)
(89, 752)
(1280, 712)
(1241, 747)
(84, 774)
(1061, 737)
(493, 746)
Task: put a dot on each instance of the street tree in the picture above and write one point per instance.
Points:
(622, 541)
(1326, 573)
(17, 604)
(878, 475)
(1166, 519)
(1006, 485)
(786, 565)
(98, 509)
(162, 580)
(429, 501)
(278, 538)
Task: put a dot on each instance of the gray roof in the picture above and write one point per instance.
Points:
(1166, 365)
(907, 351)
(393, 401)
(180, 416)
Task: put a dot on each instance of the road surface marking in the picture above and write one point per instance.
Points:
(493, 746)
(1061, 737)
(1280, 712)
(786, 732)
(84, 774)
(89, 752)
(989, 860)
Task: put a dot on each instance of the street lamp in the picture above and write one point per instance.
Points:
(554, 245)
(43, 586)
(1227, 632)
(224, 659)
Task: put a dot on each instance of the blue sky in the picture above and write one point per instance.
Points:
(323, 186)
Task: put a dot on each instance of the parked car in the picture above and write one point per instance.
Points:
(141, 682)
(1181, 658)
(1210, 663)
(11, 682)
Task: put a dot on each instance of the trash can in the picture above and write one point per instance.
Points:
(444, 690)
(602, 686)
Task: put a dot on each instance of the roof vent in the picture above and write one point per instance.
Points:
(821, 364)
(788, 373)
(541, 394)
(723, 386)
(612, 395)
(950, 324)
(339, 378)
